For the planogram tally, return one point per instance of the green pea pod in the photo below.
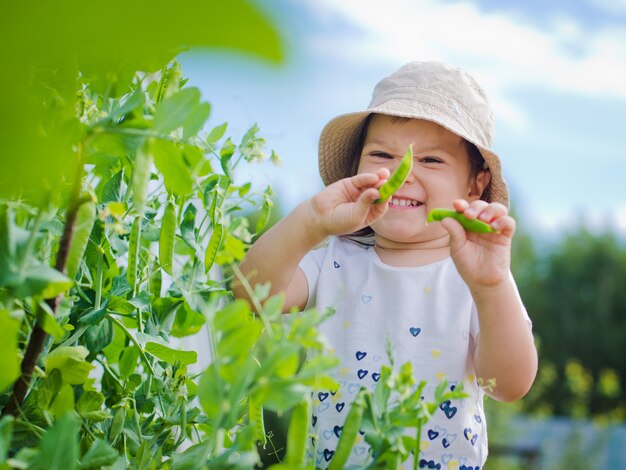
(156, 280)
(166, 239)
(133, 252)
(349, 433)
(397, 178)
(255, 418)
(83, 225)
(213, 247)
(474, 225)
(117, 424)
(141, 177)
(297, 435)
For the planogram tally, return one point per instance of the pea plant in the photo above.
(94, 288)
(140, 250)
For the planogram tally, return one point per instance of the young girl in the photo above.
(443, 297)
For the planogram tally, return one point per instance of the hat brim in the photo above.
(339, 140)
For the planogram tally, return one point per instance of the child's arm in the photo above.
(505, 347)
(342, 207)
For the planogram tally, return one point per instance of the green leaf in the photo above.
(197, 161)
(134, 101)
(42, 281)
(226, 154)
(120, 305)
(187, 322)
(141, 301)
(211, 391)
(217, 133)
(188, 460)
(273, 307)
(48, 322)
(6, 436)
(93, 316)
(196, 119)
(232, 315)
(59, 446)
(128, 360)
(97, 337)
(170, 355)
(63, 402)
(70, 360)
(281, 363)
(89, 401)
(175, 110)
(168, 159)
(99, 454)
(280, 396)
(10, 369)
(112, 188)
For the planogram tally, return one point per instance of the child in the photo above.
(443, 297)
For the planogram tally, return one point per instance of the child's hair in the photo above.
(477, 164)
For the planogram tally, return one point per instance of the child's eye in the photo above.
(430, 160)
(381, 155)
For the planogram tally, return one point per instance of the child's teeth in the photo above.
(404, 202)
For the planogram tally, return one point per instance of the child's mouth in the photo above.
(397, 202)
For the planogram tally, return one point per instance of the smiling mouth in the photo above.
(396, 202)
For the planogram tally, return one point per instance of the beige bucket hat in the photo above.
(432, 91)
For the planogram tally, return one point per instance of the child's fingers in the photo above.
(365, 180)
(493, 212)
(505, 225)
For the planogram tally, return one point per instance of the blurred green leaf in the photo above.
(70, 360)
(89, 401)
(182, 109)
(59, 447)
(10, 369)
(100, 454)
(63, 402)
(52, 43)
(6, 436)
(128, 360)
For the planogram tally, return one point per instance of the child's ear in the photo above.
(479, 184)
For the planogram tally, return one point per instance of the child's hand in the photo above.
(482, 259)
(348, 204)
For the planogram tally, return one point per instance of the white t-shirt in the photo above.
(428, 316)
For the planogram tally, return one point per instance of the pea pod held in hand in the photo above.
(473, 225)
(397, 178)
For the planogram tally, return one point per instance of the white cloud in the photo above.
(611, 6)
(503, 52)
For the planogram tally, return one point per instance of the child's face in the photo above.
(441, 173)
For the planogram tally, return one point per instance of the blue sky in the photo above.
(555, 72)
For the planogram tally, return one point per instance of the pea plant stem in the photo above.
(38, 335)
